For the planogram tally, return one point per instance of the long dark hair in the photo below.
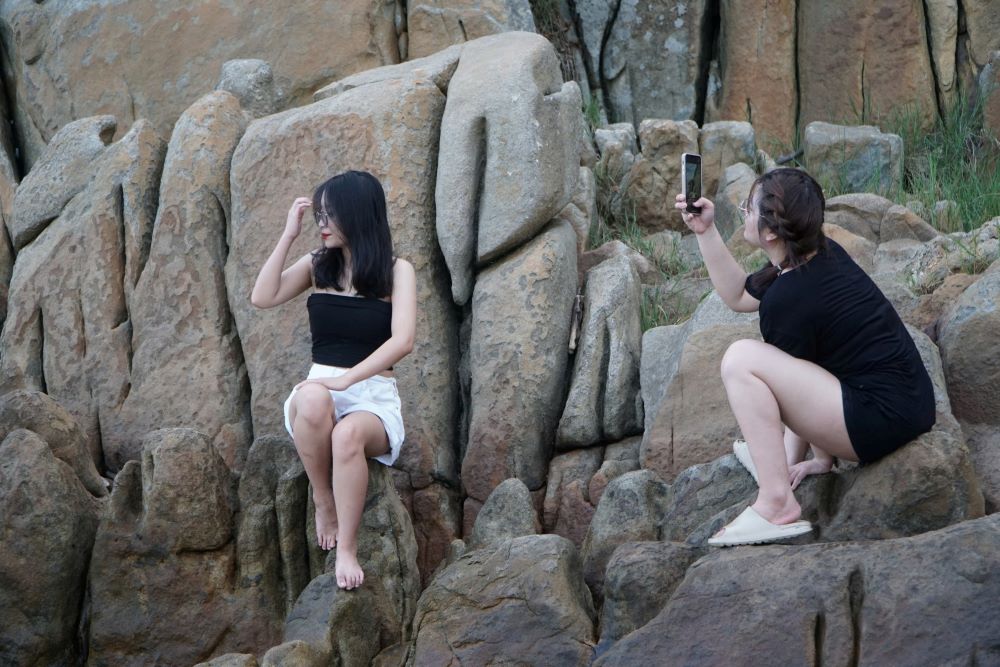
(355, 204)
(791, 206)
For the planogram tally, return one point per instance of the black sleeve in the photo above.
(748, 285)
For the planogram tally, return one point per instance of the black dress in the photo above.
(829, 312)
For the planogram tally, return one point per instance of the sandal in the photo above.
(751, 528)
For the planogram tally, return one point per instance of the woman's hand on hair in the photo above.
(293, 225)
(339, 383)
(696, 222)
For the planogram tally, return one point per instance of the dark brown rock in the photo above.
(522, 601)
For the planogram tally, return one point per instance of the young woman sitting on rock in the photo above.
(837, 370)
(362, 314)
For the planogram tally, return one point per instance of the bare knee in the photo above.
(313, 405)
(739, 359)
(347, 443)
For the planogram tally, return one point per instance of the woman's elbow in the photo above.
(406, 345)
(257, 301)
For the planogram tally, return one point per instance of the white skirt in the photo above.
(377, 395)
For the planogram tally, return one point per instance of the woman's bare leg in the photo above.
(356, 437)
(312, 417)
(768, 387)
(795, 447)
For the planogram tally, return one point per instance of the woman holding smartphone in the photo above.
(362, 316)
(836, 373)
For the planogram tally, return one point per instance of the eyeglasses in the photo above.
(744, 208)
(322, 218)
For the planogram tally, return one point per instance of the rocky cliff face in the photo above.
(563, 467)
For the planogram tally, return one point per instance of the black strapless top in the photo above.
(347, 329)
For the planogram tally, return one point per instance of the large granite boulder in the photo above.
(568, 506)
(48, 521)
(630, 510)
(920, 600)
(853, 158)
(722, 144)
(160, 579)
(509, 158)
(983, 26)
(144, 46)
(390, 128)
(656, 175)
(518, 358)
(506, 514)
(647, 56)
(68, 331)
(847, 74)
(432, 25)
(688, 418)
(352, 627)
(63, 170)
(37, 412)
(521, 601)
(758, 75)
(604, 403)
(187, 364)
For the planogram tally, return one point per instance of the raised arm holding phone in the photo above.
(837, 371)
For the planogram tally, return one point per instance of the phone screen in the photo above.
(692, 181)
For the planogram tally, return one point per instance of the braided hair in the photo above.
(790, 206)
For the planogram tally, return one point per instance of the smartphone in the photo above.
(691, 180)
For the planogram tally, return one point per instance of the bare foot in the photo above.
(349, 572)
(326, 525)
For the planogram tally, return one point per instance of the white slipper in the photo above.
(751, 528)
(742, 451)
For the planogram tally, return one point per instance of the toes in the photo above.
(342, 581)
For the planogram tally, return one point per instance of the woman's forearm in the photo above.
(383, 358)
(265, 289)
(726, 274)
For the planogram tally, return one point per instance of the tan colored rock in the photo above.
(604, 402)
(757, 66)
(984, 448)
(187, 365)
(848, 72)
(630, 510)
(271, 552)
(652, 55)
(37, 412)
(67, 331)
(144, 50)
(853, 158)
(48, 521)
(859, 213)
(656, 176)
(437, 522)
(518, 356)
(438, 68)
(160, 577)
(252, 82)
(917, 600)
(647, 271)
(618, 147)
(734, 189)
(861, 250)
(523, 601)
(508, 160)
(899, 222)
(983, 25)
(581, 211)
(619, 458)
(391, 129)
(432, 25)
(933, 306)
(989, 86)
(296, 653)
(62, 171)
(641, 578)
(567, 508)
(352, 627)
(721, 145)
(942, 21)
(688, 418)
(506, 514)
(968, 343)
